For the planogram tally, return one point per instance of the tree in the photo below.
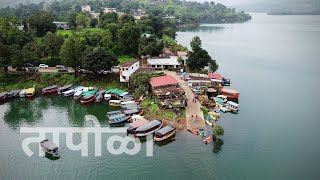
(52, 44)
(99, 59)
(5, 57)
(93, 22)
(107, 18)
(218, 131)
(82, 20)
(150, 46)
(198, 58)
(139, 83)
(126, 18)
(42, 22)
(70, 52)
(128, 39)
(72, 19)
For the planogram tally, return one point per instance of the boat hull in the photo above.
(30, 96)
(84, 102)
(151, 132)
(164, 137)
(49, 92)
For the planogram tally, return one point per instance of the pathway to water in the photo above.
(193, 108)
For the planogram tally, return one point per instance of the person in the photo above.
(196, 116)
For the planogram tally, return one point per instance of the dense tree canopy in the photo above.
(70, 52)
(199, 58)
(42, 22)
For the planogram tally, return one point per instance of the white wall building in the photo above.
(109, 10)
(86, 8)
(63, 25)
(127, 69)
(163, 63)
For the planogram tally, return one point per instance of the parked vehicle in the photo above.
(32, 69)
(20, 69)
(43, 66)
(63, 69)
(59, 66)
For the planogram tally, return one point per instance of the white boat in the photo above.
(22, 93)
(50, 148)
(164, 133)
(107, 97)
(232, 106)
(148, 128)
(69, 92)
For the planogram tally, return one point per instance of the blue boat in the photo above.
(118, 120)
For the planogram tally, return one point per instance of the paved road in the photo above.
(192, 108)
(45, 70)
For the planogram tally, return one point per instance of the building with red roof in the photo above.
(215, 76)
(163, 81)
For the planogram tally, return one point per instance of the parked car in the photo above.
(20, 69)
(43, 66)
(63, 69)
(27, 65)
(59, 66)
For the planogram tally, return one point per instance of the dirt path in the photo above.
(192, 108)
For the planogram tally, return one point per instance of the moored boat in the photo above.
(133, 126)
(193, 131)
(64, 88)
(112, 113)
(77, 95)
(50, 148)
(209, 123)
(99, 98)
(115, 103)
(207, 140)
(11, 94)
(22, 93)
(87, 99)
(107, 97)
(50, 90)
(232, 106)
(117, 119)
(3, 96)
(16, 93)
(148, 128)
(231, 94)
(69, 93)
(164, 133)
(31, 92)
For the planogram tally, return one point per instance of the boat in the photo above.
(31, 92)
(11, 94)
(50, 90)
(69, 93)
(107, 97)
(77, 95)
(193, 131)
(224, 109)
(148, 128)
(221, 99)
(87, 99)
(130, 106)
(115, 103)
(135, 118)
(164, 133)
(232, 94)
(128, 103)
(16, 93)
(111, 113)
(209, 123)
(215, 114)
(133, 126)
(232, 106)
(207, 140)
(50, 148)
(226, 82)
(99, 98)
(64, 88)
(22, 93)
(117, 119)
(3, 96)
(89, 92)
(132, 111)
(101, 92)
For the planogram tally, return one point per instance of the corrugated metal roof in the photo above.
(163, 81)
(215, 76)
(163, 61)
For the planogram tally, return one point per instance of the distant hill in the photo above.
(12, 3)
(292, 6)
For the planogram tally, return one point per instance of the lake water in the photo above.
(272, 61)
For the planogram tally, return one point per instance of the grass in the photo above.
(123, 59)
(80, 32)
(22, 81)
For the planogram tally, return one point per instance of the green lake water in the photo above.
(272, 60)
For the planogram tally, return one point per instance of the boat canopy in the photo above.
(88, 96)
(3, 94)
(92, 92)
(65, 87)
(165, 130)
(50, 87)
(149, 125)
(128, 102)
(78, 93)
(117, 92)
(116, 116)
(50, 146)
(30, 90)
(139, 123)
(233, 103)
(218, 100)
(131, 111)
(115, 101)
(114, 112)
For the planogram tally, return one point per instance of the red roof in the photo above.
(215, 76)
(163, 81)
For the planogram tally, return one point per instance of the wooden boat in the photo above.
(16, 93)
(85, 93)
(87, 99)
(215, 114)
(131, 106)
(69, 93)
(221, 99)
(50, 90)
(31, 92)
(112, 113)
(22, 93)
(101, 92)
(3, 96)
(77, 95)
(50, 148)
(133, 126)
(231, 94)
(193, 131)
(207, 140)
(99, 98)
(64, 88)
(164, 133)
(148, 128)
(115, 103)
(11, 94)
(232, 106)
(131, 112)
(117, 119)
(209, 123)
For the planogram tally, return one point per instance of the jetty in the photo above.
(193, 108)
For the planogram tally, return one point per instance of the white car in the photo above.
(43, 66)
